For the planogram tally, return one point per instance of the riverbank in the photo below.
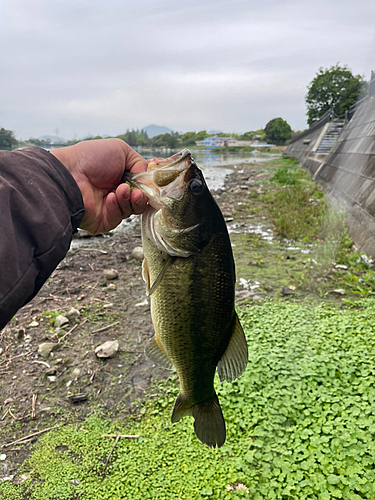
(71, 384)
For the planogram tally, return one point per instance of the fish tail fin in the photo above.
(209, 424)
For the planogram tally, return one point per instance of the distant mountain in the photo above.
(51, 138)
(214, 132)
(153, 130)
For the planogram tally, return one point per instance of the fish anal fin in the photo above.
(234, 360)
(156, 354)
(180, 410)
(209, 424)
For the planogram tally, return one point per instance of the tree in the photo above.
(201, 135)
(333, 88)
(7, 139)
(278, 131)
(188, 139)
(248, 136)
(134, 137)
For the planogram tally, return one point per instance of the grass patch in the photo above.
(297, 206)
(300, 424)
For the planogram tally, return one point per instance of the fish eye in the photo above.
(196, 186)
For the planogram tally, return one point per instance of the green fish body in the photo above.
(190, 276)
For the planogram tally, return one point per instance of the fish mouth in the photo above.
(164, 178)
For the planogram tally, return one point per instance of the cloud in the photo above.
(102, 67)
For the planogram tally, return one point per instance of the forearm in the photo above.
(40, 208)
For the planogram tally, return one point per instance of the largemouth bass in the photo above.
(189, 271)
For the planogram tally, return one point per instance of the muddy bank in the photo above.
(71, 382)
(38, 391)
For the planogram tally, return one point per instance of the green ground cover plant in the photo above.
(300, 424)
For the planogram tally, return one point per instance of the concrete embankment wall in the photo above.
(348, 172)
(305, 147)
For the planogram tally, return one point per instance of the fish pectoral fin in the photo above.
(156, 354)
(159, 277)
(146, 276)
(209, 424)
(234, 360)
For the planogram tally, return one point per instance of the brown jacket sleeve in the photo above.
(40, 208)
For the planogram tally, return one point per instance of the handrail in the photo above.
(330, 114)
(327, 117)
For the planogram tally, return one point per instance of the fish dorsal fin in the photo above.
(159, 277)
(234, 360)
(156, 354)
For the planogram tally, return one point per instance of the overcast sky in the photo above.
(100, 67)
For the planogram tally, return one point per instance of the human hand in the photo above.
(97, 166)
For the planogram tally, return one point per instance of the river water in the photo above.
(215, 166)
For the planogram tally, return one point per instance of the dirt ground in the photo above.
(70, 383)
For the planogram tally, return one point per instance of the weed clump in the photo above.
(296, 205)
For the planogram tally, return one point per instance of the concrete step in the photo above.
(330, 137)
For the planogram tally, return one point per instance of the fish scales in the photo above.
(197, 279)
(190, 276)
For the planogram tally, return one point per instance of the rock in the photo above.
(111, 286)
(107, 349)
(286, 291)
(72, 314)
(52, 378)
(339, 291)
(33, 324)
(137, 253)
(60, 321)
(76, 373)
(46, 348)
(110, 274)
